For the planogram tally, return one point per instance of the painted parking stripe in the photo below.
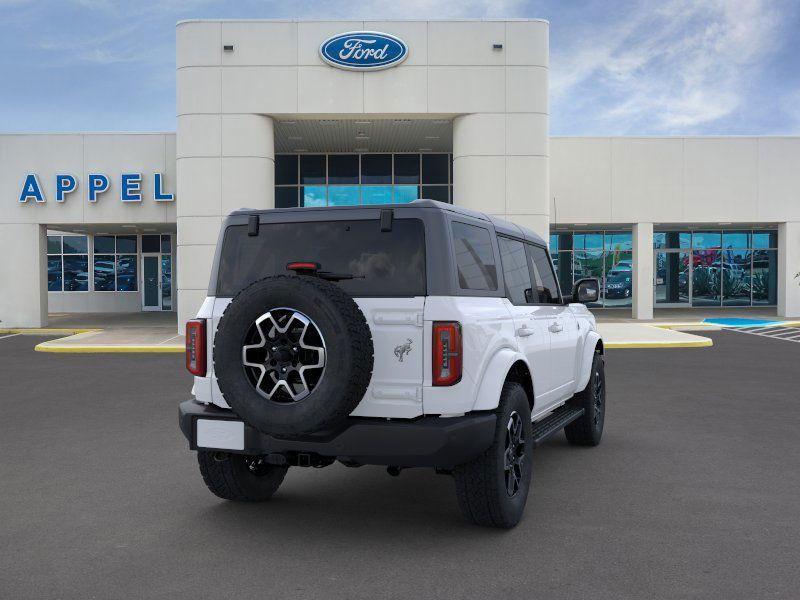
(790, 334)
(2, 337)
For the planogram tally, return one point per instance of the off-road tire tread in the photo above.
(476, 481)
(581, 431)
(221, 477)
(359, 332)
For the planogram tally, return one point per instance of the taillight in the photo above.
(196, 347)
(447, 356)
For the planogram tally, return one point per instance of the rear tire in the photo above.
(493, 488)
(239, 477)
(588, 429)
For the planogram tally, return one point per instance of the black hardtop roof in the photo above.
(500, 225)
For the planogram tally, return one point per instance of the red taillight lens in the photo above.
(447, 355)
(196, 347)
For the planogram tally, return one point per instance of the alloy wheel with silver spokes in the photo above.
(514, 457)
(284, 355)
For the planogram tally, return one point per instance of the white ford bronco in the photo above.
(414, 335)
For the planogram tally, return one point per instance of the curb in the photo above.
(704, 343)
(46, 331)
(44, 347)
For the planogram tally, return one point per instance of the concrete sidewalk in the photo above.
(641, 335)
(157, 333)
(109, 332)
(129, 339)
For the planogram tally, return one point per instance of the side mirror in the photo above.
(586, 290)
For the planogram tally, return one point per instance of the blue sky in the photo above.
(617, 68)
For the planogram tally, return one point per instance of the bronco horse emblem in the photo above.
(403, 349)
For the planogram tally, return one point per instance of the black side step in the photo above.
(555, 422)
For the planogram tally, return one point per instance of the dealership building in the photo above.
(275, 114)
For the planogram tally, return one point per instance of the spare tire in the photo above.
(293, 355)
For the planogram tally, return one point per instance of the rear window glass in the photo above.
(383, 263)
(474, 257)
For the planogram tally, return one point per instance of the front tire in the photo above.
(239, 477)
(588, 429)
(492, 489)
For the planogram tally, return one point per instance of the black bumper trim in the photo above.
(423, 442)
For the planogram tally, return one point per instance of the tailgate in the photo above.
(397, 334)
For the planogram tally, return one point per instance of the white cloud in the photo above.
(670, 68)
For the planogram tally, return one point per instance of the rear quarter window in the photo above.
(474, 257)
(382, 263)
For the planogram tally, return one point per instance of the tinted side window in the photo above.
(546, 285)
(515, 271)
(474, 257)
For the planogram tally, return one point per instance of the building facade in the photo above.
(287, 113)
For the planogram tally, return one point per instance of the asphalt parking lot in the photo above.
(694, 493)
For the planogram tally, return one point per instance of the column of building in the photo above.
(23, 271)
(225, 162)
(789, 269)
(642, 275)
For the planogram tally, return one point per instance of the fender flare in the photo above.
(495, 373)
(589, 345)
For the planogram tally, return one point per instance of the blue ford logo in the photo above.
(363, 50)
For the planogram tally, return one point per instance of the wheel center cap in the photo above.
(283, 354)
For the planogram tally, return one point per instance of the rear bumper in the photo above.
(424, 442)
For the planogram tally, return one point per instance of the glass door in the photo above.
(151, 282)
(672, 271)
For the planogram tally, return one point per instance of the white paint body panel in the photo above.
(559, 361)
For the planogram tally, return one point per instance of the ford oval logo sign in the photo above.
(363, 50)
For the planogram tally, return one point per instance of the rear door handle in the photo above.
(555, 327)
(524, 331)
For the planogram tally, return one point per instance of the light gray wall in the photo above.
(23, 277)
(675, 180)
(227, 102)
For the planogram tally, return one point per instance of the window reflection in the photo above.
(765, 277)
(343, 195)
(76, 273)
(672, 278)
(741, 273)
(376, 194)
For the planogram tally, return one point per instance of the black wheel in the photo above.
(240, 477)
(588, 429)
(493, 488)
(293, 355)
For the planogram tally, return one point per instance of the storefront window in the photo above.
(67, 263)
(672, 278)
(343, 169)
(718, 268)
(376, 194)
(343, 195)
(361, 179)
(765, 277)
(312, 168)
(606, 255)
(116, 271)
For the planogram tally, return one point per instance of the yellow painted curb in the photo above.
(45, 347)
(704, 343)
